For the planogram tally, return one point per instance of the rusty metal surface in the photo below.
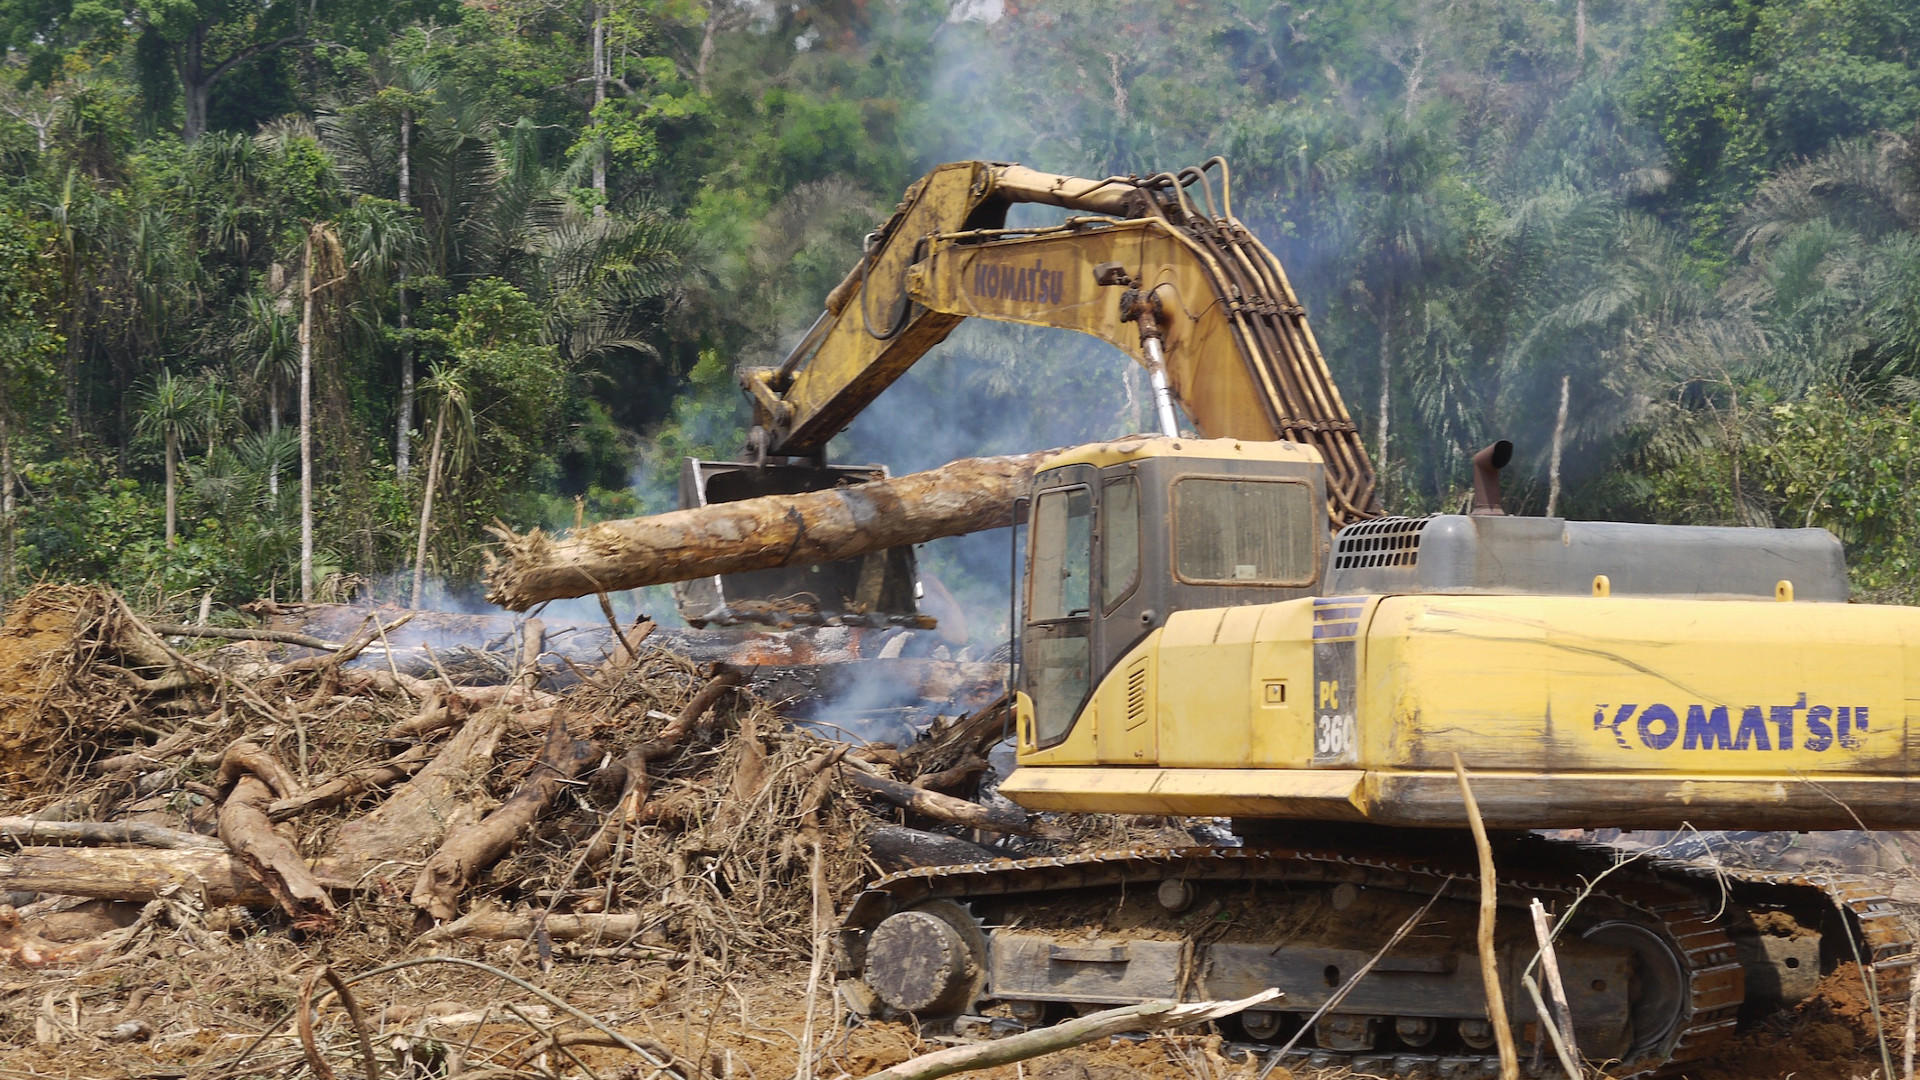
(1685, 901)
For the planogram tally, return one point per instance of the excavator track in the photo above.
(1713, 922)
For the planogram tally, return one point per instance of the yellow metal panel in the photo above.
(1282, 722)
(853, 364)
(1121, 451)
(1206, 669)
(1047, 280)
(1590, 684)
(1323, 794)
(1126, 733)
(1103, 733)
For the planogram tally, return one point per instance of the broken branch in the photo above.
(1148, 1016)
(951, 810)
(246, 633)
(27, 831)
(469, 851)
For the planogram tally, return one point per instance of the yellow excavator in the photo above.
(1227, 626)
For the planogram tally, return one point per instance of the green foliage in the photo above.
(1703, 216)
(1737, 88)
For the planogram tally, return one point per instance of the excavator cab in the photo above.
(1121, 534)
(878, 589)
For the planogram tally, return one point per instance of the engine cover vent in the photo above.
(1389, 541)
(1458, 553)
(1137, 693)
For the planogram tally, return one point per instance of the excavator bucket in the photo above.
(878, 589)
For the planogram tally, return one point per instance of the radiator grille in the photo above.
(1137, 693)
(1389, 541)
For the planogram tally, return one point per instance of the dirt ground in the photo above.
(222, 1012)
(728, 849)
(209, 1013)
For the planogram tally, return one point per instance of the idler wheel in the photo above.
(918, 962)
(1659, 995)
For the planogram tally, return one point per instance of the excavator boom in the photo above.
(1212, 312)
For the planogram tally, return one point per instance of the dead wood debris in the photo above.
(167, 794)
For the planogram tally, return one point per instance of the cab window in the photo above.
(1056, 656)
(1062, 546)
(1244, 532)
(1119, 540)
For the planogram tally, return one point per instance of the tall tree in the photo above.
(447, 385)
(173, 410)
(322, 269)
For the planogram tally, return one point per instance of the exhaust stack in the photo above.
(1486, 479)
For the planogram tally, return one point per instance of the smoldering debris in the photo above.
(364, 781)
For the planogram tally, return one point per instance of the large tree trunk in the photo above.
(599, 98)
(969, 495)
(173, 463)
(403, 441)
(426, 506)
(1386, 380)
(1559, 438)
(6, 497)
(306, 423)
(194, 83)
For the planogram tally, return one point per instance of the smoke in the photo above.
(994, 388)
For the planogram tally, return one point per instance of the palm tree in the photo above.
(271, 337)
(321, 259)
(449, 385)
(173, 409)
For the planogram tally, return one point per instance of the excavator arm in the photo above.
(1182, 287)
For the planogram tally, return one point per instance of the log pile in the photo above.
(637, 803)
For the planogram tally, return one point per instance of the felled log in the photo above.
(247, 633)
(138, 874)
(634, 764)
(488, 925)
(1147, 1016)
(896, 848)
(468, 851)
(21, 947)
(27, 831)
(951, 810)
(965, 496)
(248, 833)
(411, 822)
(947, 781)
(351, 784)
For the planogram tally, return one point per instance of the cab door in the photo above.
(1056, 661)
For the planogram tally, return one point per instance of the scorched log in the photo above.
(966, 496)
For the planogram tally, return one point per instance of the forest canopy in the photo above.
(500, 258)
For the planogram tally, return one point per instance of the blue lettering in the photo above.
(1819, 734)
(1625, 714)
(1844, 722)
(1753, 730)
(1783, 719)
(1707, 730)
(1668, 727)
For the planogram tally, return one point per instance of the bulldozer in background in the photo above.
(1228, 626)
